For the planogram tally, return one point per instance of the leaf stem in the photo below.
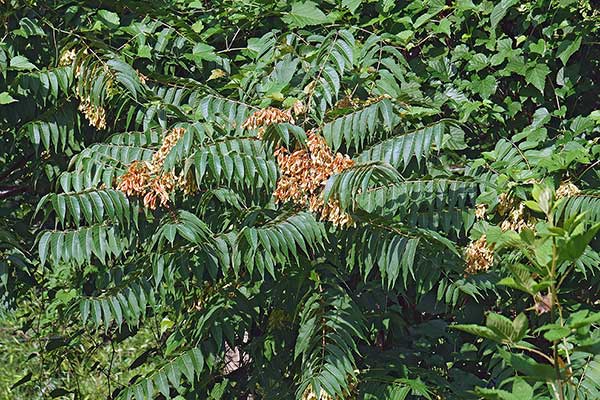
(555, 302)
(535, 351)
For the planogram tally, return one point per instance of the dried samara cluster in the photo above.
(515, 214)
(95, 114)
(309, 394)
(567, 189)
(304, 172)
(67, 58)
(479, 256)
(261, 119)
(148, 180)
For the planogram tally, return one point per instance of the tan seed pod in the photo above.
(135, 180)
(299, 108)
(304, 173)
(505, 203)
(95, 115)
(263, 118)
(567, 189)
(149, 181)
(479, 256)
(67, 58)
(480, 211)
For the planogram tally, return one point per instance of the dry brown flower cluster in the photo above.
(347, 102)
(480, 211)
(169, 141)
(505, 203)
(148, 180)
(567, 189)
(299, 108)
(135, 180)
(331, 212)
(138, 181)
(479, 256)
(96, 115)
(78, 66)
(517, 220)
(372, 100)
(517, 217)
(159, 190)
(304, 173)
(262, 118)
(67, 58)
(143, 78)
(309, 394)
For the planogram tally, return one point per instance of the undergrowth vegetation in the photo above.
(314, 200)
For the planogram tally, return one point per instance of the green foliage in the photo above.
(472, 194)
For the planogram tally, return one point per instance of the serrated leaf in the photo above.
(351, 5)
(305, 14)
(499, 12)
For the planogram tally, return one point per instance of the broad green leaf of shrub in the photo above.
(305, 14)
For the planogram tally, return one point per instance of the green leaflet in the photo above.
(398, 151)
(188, 365)
(359, 127)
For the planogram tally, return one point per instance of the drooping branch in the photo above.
(10, 191)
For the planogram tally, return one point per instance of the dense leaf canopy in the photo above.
(260, 199)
